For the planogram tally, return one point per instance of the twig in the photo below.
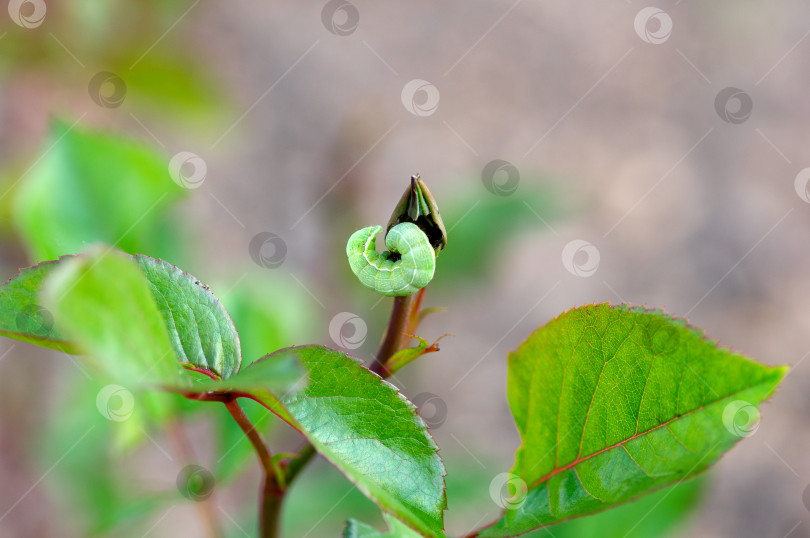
(273, 481)
(397, 325)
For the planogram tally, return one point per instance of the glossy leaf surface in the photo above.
(103, 303)
(201, 331)
(362, 425)
(615, 402)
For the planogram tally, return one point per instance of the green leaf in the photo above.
(396, 529)
(21, 315)
(277, 373)
(403, 357)
(615, 402)
(103, 303)
(362, 425)
(657, 515)
(93, 187)
(322, 489)
(201, 331)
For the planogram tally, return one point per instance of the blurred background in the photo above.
(579, 153)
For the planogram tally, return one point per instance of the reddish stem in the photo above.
(392, 342)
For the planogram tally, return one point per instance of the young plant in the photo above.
(611, 402)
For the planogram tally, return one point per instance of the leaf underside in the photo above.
(363, 426)
(615, 402)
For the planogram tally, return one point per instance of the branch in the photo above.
(397, 325)
(273, 483)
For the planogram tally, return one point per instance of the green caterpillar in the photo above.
(404, 269)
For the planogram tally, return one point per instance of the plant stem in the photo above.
(273, 483)
(277, 479)
(400, 315)
(404, 316)
(244, 422)
(413, 317)
(270, 508)
(297, 464)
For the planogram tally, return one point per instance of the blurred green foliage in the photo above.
(104, 303)
(89, 187)
(90, 483)
(94, 186)
(479, 228)
(164, 75)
